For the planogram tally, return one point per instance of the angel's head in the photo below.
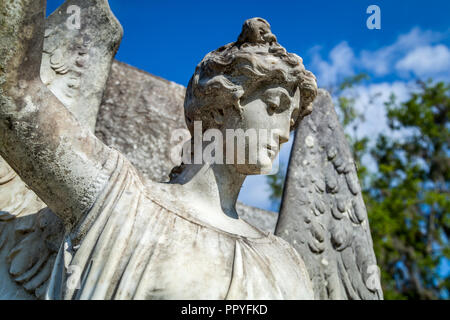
(252, 83)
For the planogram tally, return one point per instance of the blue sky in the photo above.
(169, 38)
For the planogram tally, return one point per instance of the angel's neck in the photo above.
(217, 185)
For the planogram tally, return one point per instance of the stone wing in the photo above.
(75, 66)
(77, 55)
(323, 213)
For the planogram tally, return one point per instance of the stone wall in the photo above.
(137, 115)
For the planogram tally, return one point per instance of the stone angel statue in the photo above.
(126, 237)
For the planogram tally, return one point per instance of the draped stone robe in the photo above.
(137, 243)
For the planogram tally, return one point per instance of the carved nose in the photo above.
(285, 132)
(281, 136)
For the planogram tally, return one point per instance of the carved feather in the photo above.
(334, 240)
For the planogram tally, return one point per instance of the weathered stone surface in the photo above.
(262, 219)
(118, 224)
(75, 65)
(132, 239)
(76, 62)
(137, 115)
(323, 214)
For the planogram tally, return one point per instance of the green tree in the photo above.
(408, 197)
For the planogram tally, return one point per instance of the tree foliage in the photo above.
(408, 197)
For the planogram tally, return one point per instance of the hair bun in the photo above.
(256, 30)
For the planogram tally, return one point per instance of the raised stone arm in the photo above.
(56, 156)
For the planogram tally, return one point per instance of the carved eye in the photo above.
(276, 100)
(273, 103)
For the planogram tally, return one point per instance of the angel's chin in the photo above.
(260, 168)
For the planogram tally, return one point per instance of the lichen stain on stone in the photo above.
(309, 141)
(28, 32)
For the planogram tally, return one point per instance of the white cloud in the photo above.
(380, 61)
(370, 99)
(426, 61)
(416, 53)
(340, 64)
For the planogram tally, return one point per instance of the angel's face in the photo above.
(269, 112)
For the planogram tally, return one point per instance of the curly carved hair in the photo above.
(235, 69)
